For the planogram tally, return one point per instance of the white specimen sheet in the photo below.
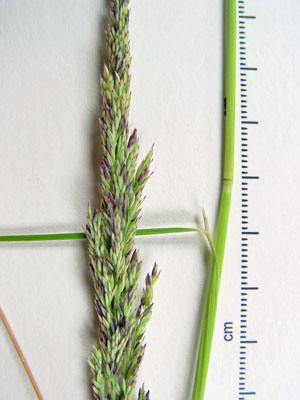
(52, 53)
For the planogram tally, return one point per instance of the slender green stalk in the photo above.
(82, 235)
(42, 237)
(224, 204)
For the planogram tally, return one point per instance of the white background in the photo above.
(51, 57)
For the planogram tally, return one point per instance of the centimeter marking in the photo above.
(246, 180)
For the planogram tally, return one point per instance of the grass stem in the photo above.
(224, 203)
(82, 235)
(20, 355)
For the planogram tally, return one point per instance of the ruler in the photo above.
(248, 179)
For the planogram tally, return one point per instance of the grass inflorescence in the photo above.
(110, 230)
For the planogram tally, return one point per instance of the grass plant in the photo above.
(110, 230)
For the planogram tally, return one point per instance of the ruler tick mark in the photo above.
(247, 16)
